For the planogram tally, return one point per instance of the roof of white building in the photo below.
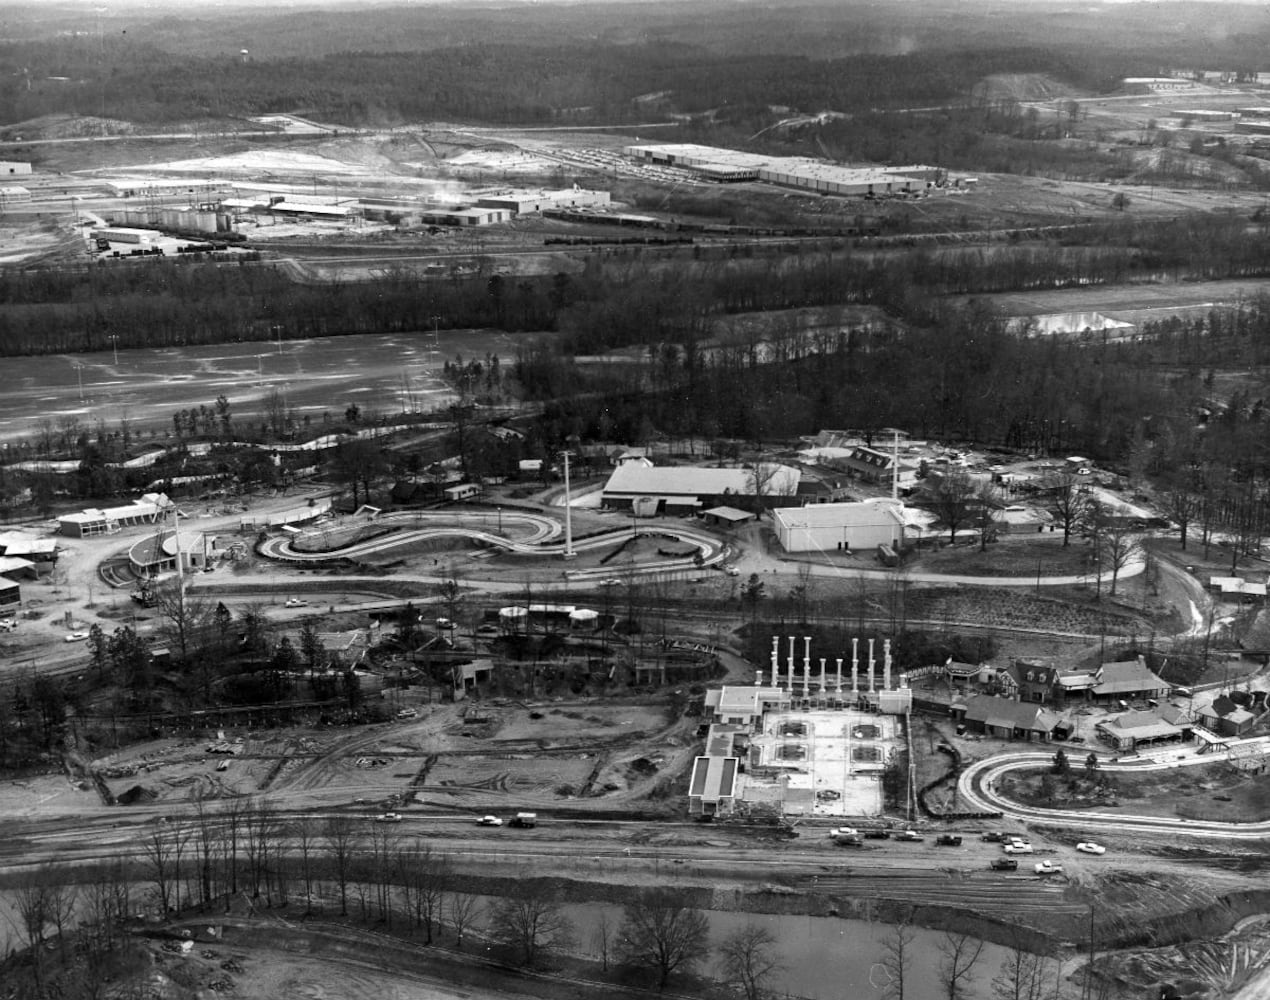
(632, 478)
(838, 515)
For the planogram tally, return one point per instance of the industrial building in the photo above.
(123, 234)
(732, 166)
(14, 168)
(652, 490)
(520, 202)
(478, 216)
(841, 527)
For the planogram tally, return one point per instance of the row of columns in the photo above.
(824, 681)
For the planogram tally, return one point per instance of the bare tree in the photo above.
(959, 955)
(383, 852)
(341, 839)
(304, 834)
(748, 958)
(897, 955)
(602, 938)
(31, 904)
(156, 850)
(659, 933)
(1182, 506)
(1069, 505)
(533, 923)
(184, 617)
(1115, 544)
(987, 512)
(951, 498)
(465, 910)
(1023, 975)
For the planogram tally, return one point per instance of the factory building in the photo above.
(182, 219)
(122, 234)
(731, 166)
(649, 491)
(478, 216)
(14, 168)
(527, 202)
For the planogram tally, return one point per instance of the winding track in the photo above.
(543, 539)
(976, 788)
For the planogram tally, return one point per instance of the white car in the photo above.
(76, 637)
(1089, 847)
(445, 623)
(489, 821)
(1047, 868)
(295, 602)
(1018, 848)
(388, 818)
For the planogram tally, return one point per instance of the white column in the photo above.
(886, 664)
(838, 686)
(776, 661)
(871, 662)
(855, 667)
(822, 677)
(758, 677)
(806, 666)
(791, 664)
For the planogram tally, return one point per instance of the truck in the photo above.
(948, 840)
(524, 821)
(1004, 865)
(846, 835)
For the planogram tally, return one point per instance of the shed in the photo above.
(726, 517)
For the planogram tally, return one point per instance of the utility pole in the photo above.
(568, 510)
(114, 343)
(79, 372)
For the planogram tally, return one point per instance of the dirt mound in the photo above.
(66, 127)
(135, 794)
(1176, 163)
(1025, 87)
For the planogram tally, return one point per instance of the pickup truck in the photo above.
(524, 821)
(1004, 865)
(948, 840)
(909, 835)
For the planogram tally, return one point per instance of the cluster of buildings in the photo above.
(729, 166)
(813, 740)
(22, 556)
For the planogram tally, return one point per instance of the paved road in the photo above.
(976, 786)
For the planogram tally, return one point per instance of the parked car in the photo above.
(994, 837)
(1017, 848)
(1047, 867)
(877, 834)
(524, 820)
(388, 818)
(446, 624)
(611, 582)
(909, 835)
(948, 840)
(731, 571)
(489, 821)
(1004, 865)
(295, 602)
(1089, 847)
(77, 637)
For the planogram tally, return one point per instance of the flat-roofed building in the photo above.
(713, 789)
(478, 216)
(744, 705)
(97, 521)
(14, 168)
(840, 527)
(520, 202)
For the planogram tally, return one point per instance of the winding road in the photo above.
(977, 788)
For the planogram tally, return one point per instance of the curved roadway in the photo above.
(976, 786)
(543, 539)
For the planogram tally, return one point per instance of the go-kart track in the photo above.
(538, 535)
(976, 787)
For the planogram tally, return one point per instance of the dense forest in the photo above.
(589, 63)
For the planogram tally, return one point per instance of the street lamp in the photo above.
(114, 343)
(79, 372)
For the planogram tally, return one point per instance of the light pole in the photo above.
(79, 372)
(436, 335)
(568, 510)
(114, 343)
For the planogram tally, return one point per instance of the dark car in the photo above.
(1004, 865)
(910, 835)
(878, 834)
(948, 840)
(993, 837)
(851, 840)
